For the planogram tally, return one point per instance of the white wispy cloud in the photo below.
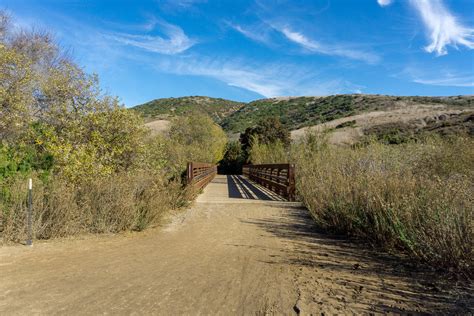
(440, 77)
(255, 33)
(187, 3)
(327, 49)
(384, 3)
(268, 80)
(442, 27)
(463, 81)
(176, 40)
(261, 80)
(178, 6)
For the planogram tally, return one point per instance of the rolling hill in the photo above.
(298, 112)
(348, 116)
(216, 108)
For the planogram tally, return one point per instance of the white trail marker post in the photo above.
(29, 215)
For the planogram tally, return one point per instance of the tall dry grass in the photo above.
(268, 153)
(417, 198)
(117, 203)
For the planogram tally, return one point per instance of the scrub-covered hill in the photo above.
(216, 108)
(347, 116)
(298, 112)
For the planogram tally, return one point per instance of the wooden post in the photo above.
(189, 173)
(278, 179)
(291, 183)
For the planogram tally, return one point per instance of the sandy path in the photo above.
(220, 257)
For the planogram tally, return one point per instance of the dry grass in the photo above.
(119, 203)
(415, 198)
(418, 198)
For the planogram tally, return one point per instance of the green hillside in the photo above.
(163, 108)
(294, 112)
(307, 111)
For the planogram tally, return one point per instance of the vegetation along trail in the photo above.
(236, 250)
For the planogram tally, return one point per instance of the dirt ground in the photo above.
(225, 255)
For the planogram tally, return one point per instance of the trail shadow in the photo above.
(241, 188)
(355, 265)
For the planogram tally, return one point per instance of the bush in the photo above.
(275, 152)
(103, 205)
(94, 144)
(416, 197)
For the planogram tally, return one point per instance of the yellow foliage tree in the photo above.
(48, 102)
(193, 138)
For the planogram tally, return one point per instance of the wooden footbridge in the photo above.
(264, 182)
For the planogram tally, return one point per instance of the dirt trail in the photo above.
(225, 255)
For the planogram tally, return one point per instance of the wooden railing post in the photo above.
(291, 183)
(189, 173)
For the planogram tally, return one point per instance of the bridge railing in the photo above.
(199, 174)
(279, 178)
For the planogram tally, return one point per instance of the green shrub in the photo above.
(22, 159)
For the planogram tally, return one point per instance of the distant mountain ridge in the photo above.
(298, 113)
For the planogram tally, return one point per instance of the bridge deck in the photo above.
(237, 189)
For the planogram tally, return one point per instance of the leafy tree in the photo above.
(50, 105)
(193, 138)
(233, 159)
(94, 144)
(16, 93)
(267, 131)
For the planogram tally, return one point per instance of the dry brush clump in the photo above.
(104, 205)
(417, 198)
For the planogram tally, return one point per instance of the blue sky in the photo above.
(246, 50)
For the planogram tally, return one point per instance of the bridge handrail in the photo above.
(279, 178)
(199, 174)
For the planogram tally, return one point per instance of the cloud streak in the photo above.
(464, 81)
(442, 27)
(384, 3)
(326, 49)
(257, 34)
(176, 40)
(440, 77)
(269, 80)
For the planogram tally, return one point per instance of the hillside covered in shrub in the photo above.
(216, 108)
(295, 112)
